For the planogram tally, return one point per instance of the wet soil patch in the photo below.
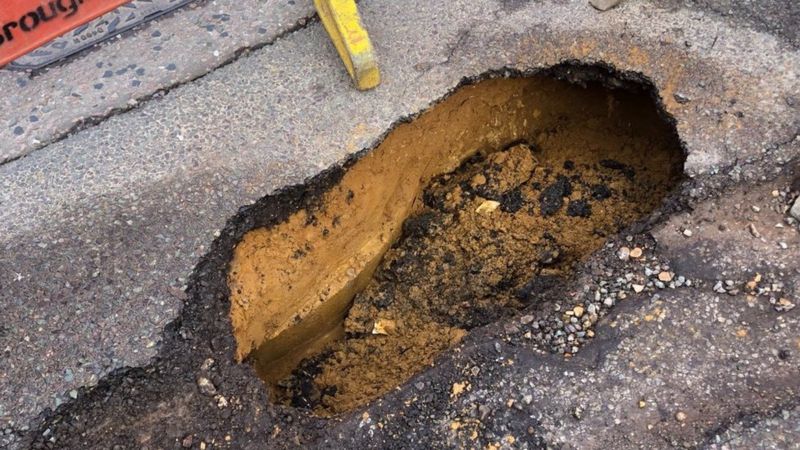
(458, 219)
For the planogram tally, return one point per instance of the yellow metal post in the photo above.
(341, 20)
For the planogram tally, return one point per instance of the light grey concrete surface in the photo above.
(101, 229)
(37, 108)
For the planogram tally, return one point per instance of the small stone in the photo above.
(783, 305)
(384, 327)
(795, 211)
(578, 311)
(753, 231)
(681, 98)
(636, 252)
(741, 333)
(755, 208)
(687, 232)
(187, 441)
(680, 416)
(637, 288)
(458, 388)
(207, 364)
(624, 253)
(642, 403)
(665, 276)
(478, 180)
(608, 301)
(526, 319)
(487, 207)
(206, 386)
(604, 5)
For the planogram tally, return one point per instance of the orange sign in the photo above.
(27, 24)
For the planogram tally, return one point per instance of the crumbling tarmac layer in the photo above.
(103, 229)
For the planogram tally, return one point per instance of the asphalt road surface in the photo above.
(120, 168)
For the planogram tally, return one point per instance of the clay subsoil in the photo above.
(488, 239)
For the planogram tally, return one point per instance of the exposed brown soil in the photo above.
(537, 173)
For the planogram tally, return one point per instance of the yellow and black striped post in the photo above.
(343, 23)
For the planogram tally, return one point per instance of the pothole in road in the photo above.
(458, 218)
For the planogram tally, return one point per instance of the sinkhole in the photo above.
(449, 224)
